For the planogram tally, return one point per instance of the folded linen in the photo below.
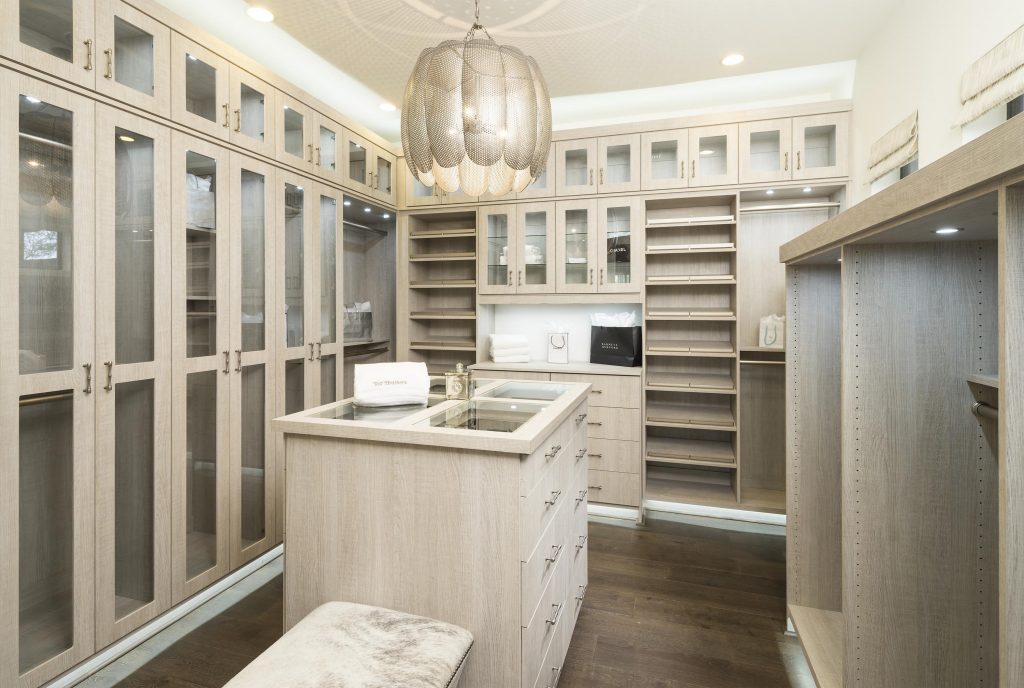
(505, 341)
(517, 351)
(390, 384)
(524, 358)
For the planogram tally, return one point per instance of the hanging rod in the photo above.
(743, 362)
(983, 410)
(365, 228)
(44, 398)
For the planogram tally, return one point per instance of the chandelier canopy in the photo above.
(476, 115)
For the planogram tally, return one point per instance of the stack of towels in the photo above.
(391, 384)
(510, 348)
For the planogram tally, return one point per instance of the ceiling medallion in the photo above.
(476, 115)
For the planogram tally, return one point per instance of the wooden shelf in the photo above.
(985, 380)
(663, 489)
(691, 314)
(691, 452)
(691, 382)
(572, 368)
(822, 635)
(694, 416)
(758, 499)
(443, 257)
(443, 234)
(687, 249)
(690, 347)
(443, 315)
(366, 343)
(690, 280)
(694, 222)
(443, 284)
(444, 345)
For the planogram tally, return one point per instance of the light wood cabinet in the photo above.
(544, 185)
(48, 380)
(328, 146)
(618, 163)
(133, 57)
(664, 159)
(576, 248)
(295, 132)
(620, 257)
(55, 37)
(713, 158)
(575, 167)
(252, 113)
(370, 168)
(327, 279)
(497, 250)
(535, 247)
(199, 88)
(766, 151)
(821, 145)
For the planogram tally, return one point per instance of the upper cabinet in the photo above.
(251, 104)
(713, 159)
(576, 164)
(295, 132)
(199, 88)
(766, 151)
(55, 36)
(327, 148)
(133, 54)
(619, 224)
(369, 168)
(576, 246)
(821, 145)
(663, 158)
(618, 163)
(544, 185)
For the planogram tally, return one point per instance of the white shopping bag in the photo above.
(772, 332)
(558, 347)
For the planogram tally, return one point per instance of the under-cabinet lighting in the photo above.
(32, 99)
(808, 189)
(769, 192)
(732, 59)
(126, 138)
(260, 14)
(347, 203)
(948, 230)
(387, 107)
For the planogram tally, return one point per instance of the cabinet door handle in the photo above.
(596, 456)
(238, 360)
(238, 119)
(583, 593)
(595, 487)
(581, 498)
(556, 550)
(318, 158)
(595, 422)
(319, 357)
(555, 494)
(581, 541)
(109, 73)
(227, 362)
(555, 448)
(580, 454)
(556, 613)
(597, 391)
(693, 169)
(520, 278)
(591, 176)
(556, 674)
(110, 375)
(682, 169)
(591, 275)
(311, 351)
(310, 147)
(88, 378)
(785, 156)
(798, 160)
(88, 54)
(600, 175)
(600, 276)
(227, 115)
(580, 418)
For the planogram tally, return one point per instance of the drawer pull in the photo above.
(556, 550)
(597, 391)
(595, 487)
(582, 497)
(554, 498)
(580, 418)
(554, 450)
(556, 674)
(596, 456)
(581, 542)
(580, 454)
(595, 422)
(583, 593)
(556, 614)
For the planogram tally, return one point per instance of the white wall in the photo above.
(915, 61)
(535, 322)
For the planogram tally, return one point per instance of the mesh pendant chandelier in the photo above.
(476, 115)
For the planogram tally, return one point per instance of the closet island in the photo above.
(470, 511)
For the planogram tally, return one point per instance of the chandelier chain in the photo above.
(476, 24)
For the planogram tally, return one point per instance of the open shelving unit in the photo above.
(440, 306)
(691, 378)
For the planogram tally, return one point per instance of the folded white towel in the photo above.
(503, 341)
(511, 359)
(515, 351)
(390, 384)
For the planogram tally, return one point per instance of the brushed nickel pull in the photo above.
(88, 378)
(520, 278)
(319, 345)
(785, 157)
(555, 494)
(600, 276)
(509, 273)
(580, 454)
(581, 498)
(238, 360)
(311, 351)
(596, 456)
(557, 613)
(693, 168)
(600, 179)
(580, 418)
(227, 362)
(88, 54)
(227, 115)
(238, 119)
(798, 160)
(310, 147)
(682, 169)
(595, 487)
(557, 674)
(554, 450)
(595, 422)
(583, 593)
(319, 159)
(556, 550)
(591, 176)
(597, 391)
(110, 375)
(591, 275)
(581, 541)
(109, 73)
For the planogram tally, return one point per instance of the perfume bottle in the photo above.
(458, 383)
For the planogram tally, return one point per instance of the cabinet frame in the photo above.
(682, 139)
(637, 212)
(562, 187)
(561, 207)
(786, 158)
(606, 142)
(551, 249)
(106, 74)
(181, 47)
(731, 175)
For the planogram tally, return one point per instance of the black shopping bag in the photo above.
(618, 346)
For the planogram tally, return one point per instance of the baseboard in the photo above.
(716, 512)
(623, 512)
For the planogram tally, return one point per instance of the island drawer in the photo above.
(610, 391)
(621, 456)
(554, 660)
(554, 611)
(609, 487)
(547, 496)
(555, 544)
(535, 465)
(578, 581)
(613, 423)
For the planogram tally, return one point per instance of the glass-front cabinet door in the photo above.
(357, 161)
(295, 142)
(328, 223)
(713, 155)
(620, 254)
(48, 380)
(416, 193)
(55, 36)
(821, 145)
(383, 175)
(201, 350)
(544, 185)
(664, 159)
(575, 164)
(133, 382)
(576, 247)
(199, 88)
(327, 148)
(496, 249)
(766, 151)
(252, 112)
(133, 57)
(252, 381)
(535, 248)
(618, 163)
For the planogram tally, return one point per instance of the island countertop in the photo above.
(526, 412)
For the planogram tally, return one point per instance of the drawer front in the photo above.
(536, 465)
(580, 495)
(578, 580)
(546, 625)
(613, 424)
(621, 456)
(610, 391)
(554, 659)
(547, 496)
(554, 546)
(510, 375)
(608, 487)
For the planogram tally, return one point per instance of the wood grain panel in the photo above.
(813, 465)
(762, 421)
(919, 478)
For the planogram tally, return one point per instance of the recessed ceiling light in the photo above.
(707, 151)
(732, 59)
(948, 230)
(387, 107)
(368, 209)
(260, 14)
(808, 189)
(769, 192)
(126, 138)
(347, 202)
(32, 99)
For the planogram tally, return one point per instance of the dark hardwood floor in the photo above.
(669, 605)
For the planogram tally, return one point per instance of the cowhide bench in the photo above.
(345, 645)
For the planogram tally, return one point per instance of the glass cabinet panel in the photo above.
(46, 228)
(328, 379)
(201, 254)
(358, 161)
(294, 385)
(618, 170)
(48, 25)
(820, 146)
(201, 472)
(535, 239)
(618, 249)
(766, 151)
(253, 254)
(133, 57)
(254, 455)
(294, 132)
(251, 113)
(576, 248)
(618, 163)
(382, 179)
(712, 157)
(497, 233)
(328, 270)
(327, 151)
(294, 280)
(46, 533)
(576, 163)
(665, 159)
(133, 247)
(134, 506)
(200, 88)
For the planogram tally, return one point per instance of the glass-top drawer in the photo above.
(534, 391)
(373, 414)
(490, 416)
